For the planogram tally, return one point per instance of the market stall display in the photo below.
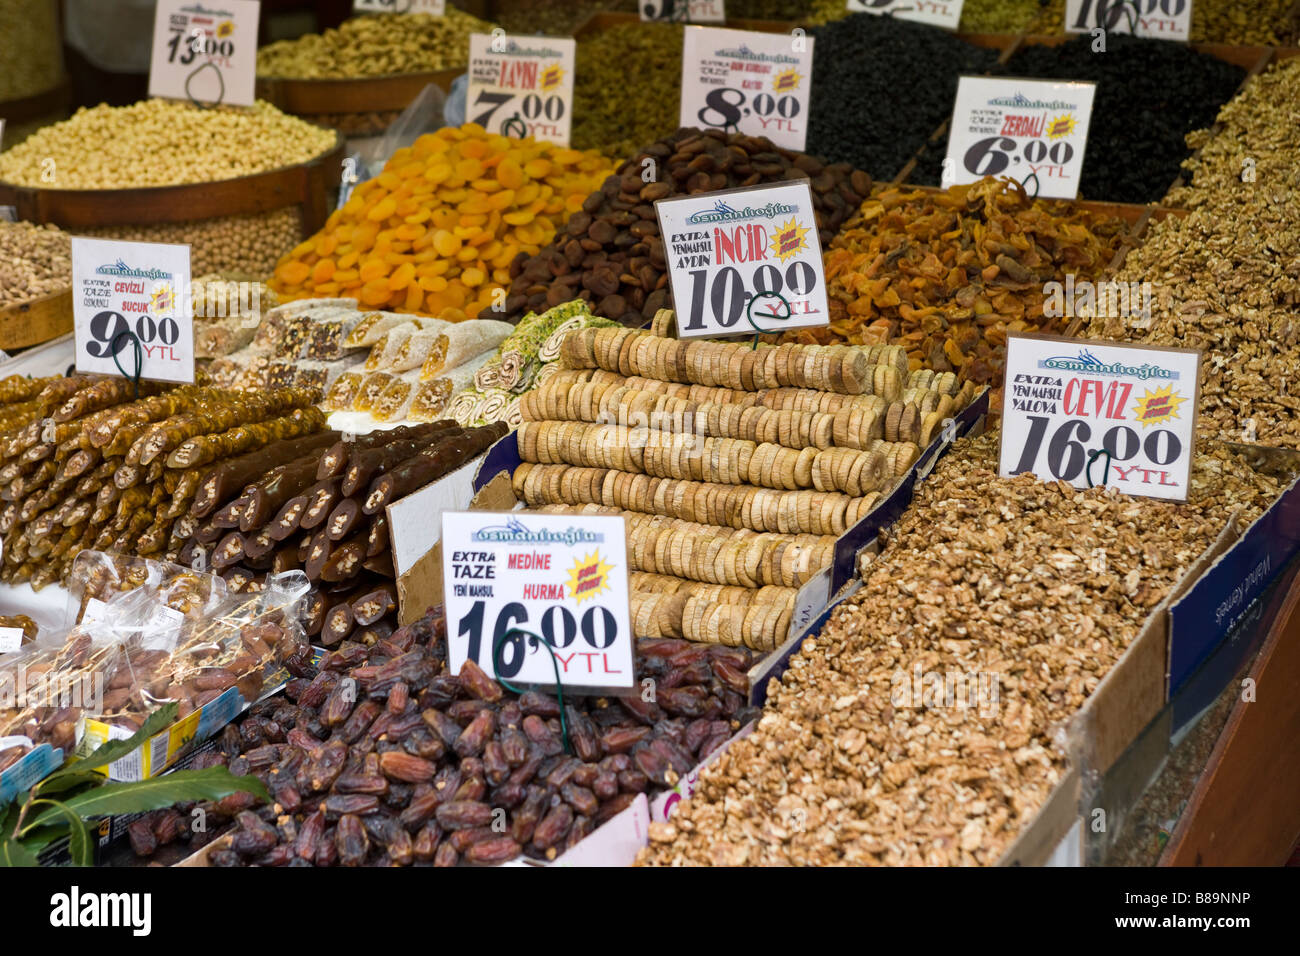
(436, 232)
(359, 77)
(239, 185)
(1245, 22)
(946, 275)
(859, 59)
(97, 467)
(35, 284)
(1227, 290)
(613, 115)
(610, 253)
(410, 768)
(848, 764)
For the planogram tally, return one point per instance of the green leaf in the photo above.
(112, 750)
(13, 853)
(67, 781)
(182, 786)
(38, 840)
(78, 838)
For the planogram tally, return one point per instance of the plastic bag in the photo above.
(423, 115)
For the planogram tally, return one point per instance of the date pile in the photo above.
(947, 275)
(921, 725)
(319, 505)
(610, 254)
(383, 758)
(86, 464)
(736, 468)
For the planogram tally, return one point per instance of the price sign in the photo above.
(683, 11)
(521, 86)
(132, 299)
(752, 83)
(1031, 130)
(940, 13)
(741, 261)
(1093, 413)
(1157, 19)
(435, 7)
(205, 51)
(513, 581)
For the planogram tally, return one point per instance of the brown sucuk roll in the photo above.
(223, 481)
(238, 578)
(259, 544)
(313, 612)
(321, 498)
(229, 552)
(381, 564)
(338, 619)
(228, 517)
(289, 518)
(336, 458)
(343, 519)
(430, 465)
(372, 604)
(366, 465)
(268, 495)
(318, 553)
(377, 535)
(344, 562)
(285, 559)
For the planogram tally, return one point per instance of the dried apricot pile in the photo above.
(436, 231)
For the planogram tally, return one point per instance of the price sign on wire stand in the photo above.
(205, 51)
(683, 11)
(1031, 130)
(746, 82)
(522, 86)
(514, 582)
(939, 13)
(744, 261)
(1098, 413)
(132, 310)
(1156, 19)
(435, 7)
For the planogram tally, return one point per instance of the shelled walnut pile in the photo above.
(735, 467)
(85, 463)
(1029, 591)
(1227, 277)
(947, 275)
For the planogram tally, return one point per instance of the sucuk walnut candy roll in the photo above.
(229, 478)
(266, 497)
(369, 463)
(289, 518)
(321, 499)
(430, 465)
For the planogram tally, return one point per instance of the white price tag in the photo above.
(1157, 19)
(435, 7)
(205, 50)
(521, 86)
(1031, 130)
(1093, 413)
(11, 638)
(683, 11)
(512, 581)
(132, 299)
(741, 261)
(752, 83)
(940, 13)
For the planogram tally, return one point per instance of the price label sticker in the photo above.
(752, 83)
(1094, 412)
(940, 13)
(132, 308)
(1031, 130)
(1156, 19)
(515, 581)
(683, 11)
(522, 86)
(743, 261)
(11, 638)
(435, 7)
(205, 51)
